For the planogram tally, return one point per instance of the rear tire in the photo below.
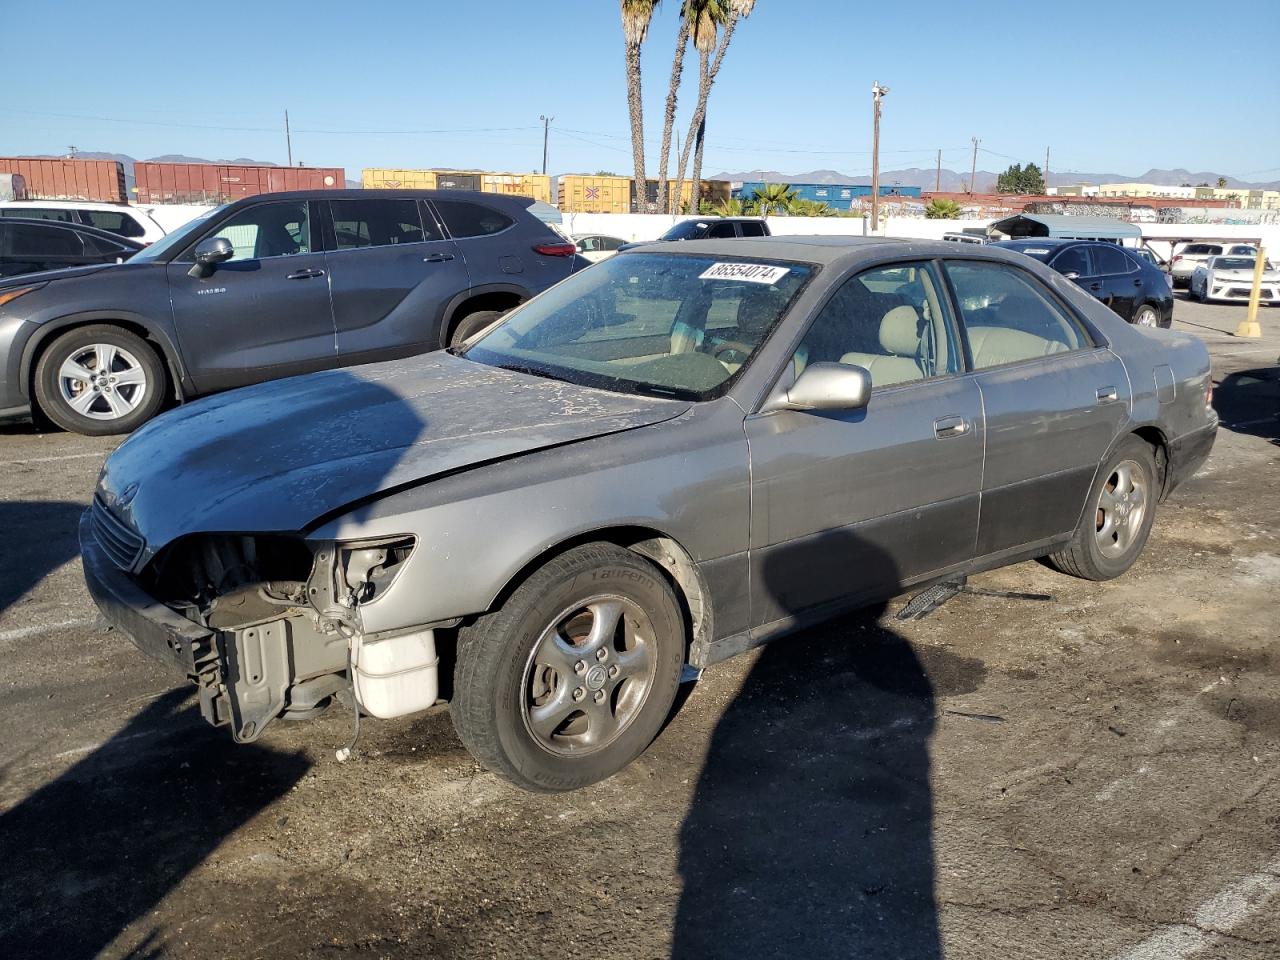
(99, 380)
(1146, 316)
(472, 324)
(572, 678)
(1117, 517)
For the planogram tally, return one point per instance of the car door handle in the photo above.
(437, 258)
(304, 274)
(1137, 282)
(945, 427)
(1107, 394)
(1095, 286)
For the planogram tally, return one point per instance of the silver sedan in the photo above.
(665, 460)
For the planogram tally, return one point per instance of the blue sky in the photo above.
(1111, 87)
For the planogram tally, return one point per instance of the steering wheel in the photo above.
(731, 353)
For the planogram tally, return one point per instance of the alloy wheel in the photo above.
(589, 675)
(102, 381)
(1122, 505)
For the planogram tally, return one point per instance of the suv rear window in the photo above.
(376, 223)
(120, 224)
(40, 213)
(1204, 249)
(465, 219)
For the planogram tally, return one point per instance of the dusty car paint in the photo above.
(722, 496)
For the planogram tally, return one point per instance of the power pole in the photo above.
(937, 181)
(973, 169)
(877, 94)
(546, 130)
(288, 138)
(673, 206)
(1046, 169)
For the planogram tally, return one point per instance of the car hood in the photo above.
(281, 455)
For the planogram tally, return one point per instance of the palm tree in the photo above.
(669, 117)
(771, 196)
(809, 208)
(636, 15)
(708, 16)
(942, 209)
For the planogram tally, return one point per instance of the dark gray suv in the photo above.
(268, 287)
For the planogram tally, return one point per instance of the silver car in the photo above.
(667, 459)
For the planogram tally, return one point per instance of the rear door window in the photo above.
(466, 219)
(378, 223)
(1009, 316)
(32, 241)
(1111, 260)
(115, 222)
(752, 229)
(1073, 260)
(41, 213)
(721, 230)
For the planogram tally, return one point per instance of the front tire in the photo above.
(1117, 517)
(573, 677)
(99, 380)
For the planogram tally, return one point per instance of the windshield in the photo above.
(173, 242)
(685, 230)
(660, 324)
(1232, 263)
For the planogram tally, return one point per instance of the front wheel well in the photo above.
(137, 329)
(662, 551)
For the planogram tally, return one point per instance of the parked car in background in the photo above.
(265, 287)
(597, 247)
(1130, 285)
(1187, 256)
(717, 228)
(1144, 253)
(29, 246)
(668, 459)
(1231, 279)
(132, 223)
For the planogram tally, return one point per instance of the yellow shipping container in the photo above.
(376, 178)
(534, 185)
(578, 193)
(513, 184)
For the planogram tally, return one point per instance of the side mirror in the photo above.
(826, 386)
(209, 253)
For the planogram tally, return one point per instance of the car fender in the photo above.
(471, 293)
(155, 332)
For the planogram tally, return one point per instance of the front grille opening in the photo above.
(122, 544)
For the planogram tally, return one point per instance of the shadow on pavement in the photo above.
(810, 833)
(1248, 402)
(96, 849)
(40, 536)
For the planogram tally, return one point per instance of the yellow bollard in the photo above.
(1249, 326)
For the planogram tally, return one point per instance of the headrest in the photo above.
(900, 331)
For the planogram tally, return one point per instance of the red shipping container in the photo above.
(218, 183)
(54, 179)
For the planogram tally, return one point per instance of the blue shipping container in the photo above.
(839, 195)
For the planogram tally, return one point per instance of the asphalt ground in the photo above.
(1093, 777)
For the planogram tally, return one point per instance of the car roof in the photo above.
(77, 227)
(1021, 242)
(824, 250)
(492, 199)
(69, 204)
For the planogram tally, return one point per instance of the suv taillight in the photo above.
(555, 249)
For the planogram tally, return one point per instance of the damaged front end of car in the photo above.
(269, 626)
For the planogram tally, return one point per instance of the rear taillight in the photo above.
(1208, 393)
(555, 249)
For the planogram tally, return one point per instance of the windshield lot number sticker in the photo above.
(750, 272)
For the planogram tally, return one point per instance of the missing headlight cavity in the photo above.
(368, 568)
(194, 572)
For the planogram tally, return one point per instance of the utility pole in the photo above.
(973, 168)
(1046, 169)
(937, 181)
(673, 206)
(288, 138)
(877, 94)
(546, 130)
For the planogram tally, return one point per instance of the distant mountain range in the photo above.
(986, 179)
(128, 162)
